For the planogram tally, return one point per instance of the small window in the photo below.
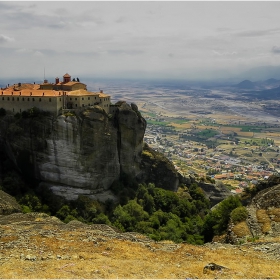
(95, 97)
(59, 99)
(70, 98)
(88, 98)
(76, 105)
(33, 99)
(20, 110)
(83, 105)
(8, 98)
(3, 98)
(75, 98)
(40, 99)
(17, 98)
(82, 98)
(28, 99)
(22, 98)
(50, 100)
(13, 99)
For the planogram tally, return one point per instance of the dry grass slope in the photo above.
(46, 248)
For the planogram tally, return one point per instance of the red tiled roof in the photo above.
(33, 90)
(30, 92)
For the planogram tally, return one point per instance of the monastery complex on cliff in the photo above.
(53, 97)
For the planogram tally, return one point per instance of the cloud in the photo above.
(257, 33)
(38, 53)
(5, 39)
(131, 35)
(125, 52)
(26, 20)
(29, 51)
(24, 50)
(275, 50)
(5, 7)
(58, 24)
(25, 17)
(224, 53)
(121, 19)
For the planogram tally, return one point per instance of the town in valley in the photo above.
(227, 133)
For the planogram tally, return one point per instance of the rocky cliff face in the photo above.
(263, 221)
(75, 155)
(264, 213)
(159, 170)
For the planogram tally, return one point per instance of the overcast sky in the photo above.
(137, 39)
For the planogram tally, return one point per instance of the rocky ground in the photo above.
(36, 245)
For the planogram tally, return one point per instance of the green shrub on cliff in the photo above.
(239, 214)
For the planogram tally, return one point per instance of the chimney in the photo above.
(101, 91)
(56, 81)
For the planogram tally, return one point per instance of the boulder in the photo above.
(213, 267)
(8, 204)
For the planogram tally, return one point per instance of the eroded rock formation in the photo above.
(81, 154)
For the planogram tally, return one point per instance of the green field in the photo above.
(158, 123)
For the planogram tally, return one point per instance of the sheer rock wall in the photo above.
(75, 155)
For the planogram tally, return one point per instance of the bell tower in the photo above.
(66, 78)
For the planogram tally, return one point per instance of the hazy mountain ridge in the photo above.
(247, 84)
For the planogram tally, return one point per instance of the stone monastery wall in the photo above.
(18, 104)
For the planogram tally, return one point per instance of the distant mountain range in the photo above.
(267, 84)
(268, 89)
(246, 84)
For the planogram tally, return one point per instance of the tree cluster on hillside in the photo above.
(160, 214)
(164, 214)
